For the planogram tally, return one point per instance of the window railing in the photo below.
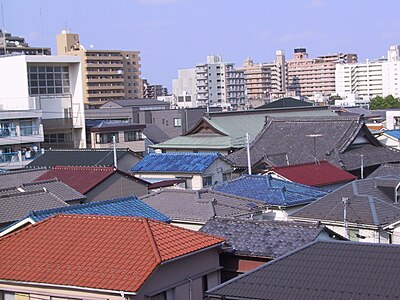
(15, 131)
(18, 156)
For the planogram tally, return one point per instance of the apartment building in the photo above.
(379, 77)
(219, 84)
(10, 44)
(310, 76)
(184, 89)
(106, 74)
(265, 81)
(51, 85)
(152, 91)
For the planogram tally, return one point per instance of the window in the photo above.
(106, 138)
(130, 136)
(48, 80)
(226, 176)
(207, 180)
(180, 98)
(177, 122)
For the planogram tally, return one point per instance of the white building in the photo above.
(372, 78)
(184, 89)
(54, 85)
(219, 84)
(352, 100)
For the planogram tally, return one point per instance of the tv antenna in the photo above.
(4, 32)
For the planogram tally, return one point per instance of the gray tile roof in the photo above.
(339, 140)
(386, 170)
(199, 206)
(268, 239)
(56, 187)
(139, 102)
(371, 202)
(16, 178)
(78, 157)
(322, 270)
(17, 205)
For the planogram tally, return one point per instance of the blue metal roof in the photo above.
(179, 162)
(394, 133)
(271, 190)
(129, 206)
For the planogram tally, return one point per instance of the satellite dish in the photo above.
(16, 43)
(91, 46)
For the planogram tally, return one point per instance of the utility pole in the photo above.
(345, 201)
(248, 152)
(115, 152)
(362, 166)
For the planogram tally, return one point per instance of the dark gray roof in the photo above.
(16, 178)
(58, 188)
(16, 205)
(140, 102)
(339, 140)
(285, 102)
(155, 134)
(79, 157)
(268, 239)
(322, 270)
(200, 206)
(371, 202)
(386, 170)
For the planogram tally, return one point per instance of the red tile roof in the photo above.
(82, 179)
(314, 174)
(100, 252)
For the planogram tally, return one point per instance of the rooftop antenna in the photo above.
(115, 152)
(314, 136)
(4, 32)
(362, 166)
(41, 30)
(345, 201)
(248, 152)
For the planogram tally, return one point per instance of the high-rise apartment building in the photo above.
(219, 84)
(10, 44)
(380, 77)
(265, 81)
(311, 76)
(107, 74)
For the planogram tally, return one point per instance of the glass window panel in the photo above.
(66, 90)
(33, 76)
(65, 76)
(65, 82)
(50, 76)
(65, 69)
(42, 76)
(41, 69)
(34, 91)
(58, 90)
(58, 83)
(57, 76)
(49, 69)
(50, 90)
(57, 69)
(34, 83)
(33, 69)
(42, 90)
(42, 82)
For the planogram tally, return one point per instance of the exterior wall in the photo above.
(136, 146)
(184, 275)
(187, 225)
(370, 235)
(221, 151)
(234, 265)
(393, 119)
(126, 162)
(389, 141)
(116, 186)
(184, 88)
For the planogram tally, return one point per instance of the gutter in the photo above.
(86, 289)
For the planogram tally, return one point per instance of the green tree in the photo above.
(384, 103)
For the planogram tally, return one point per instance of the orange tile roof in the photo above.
(100, 252)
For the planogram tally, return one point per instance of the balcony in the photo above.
(21, 135)
(17, 160)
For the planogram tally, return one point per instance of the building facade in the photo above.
(219, 84)
(106, 74)
(153, 91)
(53, 85)
(10, 44)
(310, 76)
(184, 89)
(265, 81)
(380, 77)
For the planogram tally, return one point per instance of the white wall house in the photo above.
(54, 85)
(184, 89)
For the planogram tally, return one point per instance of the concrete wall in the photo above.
(116, 186)
(14, 78)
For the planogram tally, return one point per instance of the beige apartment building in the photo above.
(265, 81)
(312, 76)
(107, 74)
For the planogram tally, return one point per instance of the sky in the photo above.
(178, 34)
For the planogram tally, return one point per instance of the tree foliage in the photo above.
(384, 103)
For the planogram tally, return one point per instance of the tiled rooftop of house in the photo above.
(178, 162)
(386, 170)
(54, 186)
(270, 190)
(371, 202)
(314, 174)
(268, 239)
(395, 133)
(82, 179)
(200, 206)
(16, 205)
(16, 178)
(129, 206)
(322, 270)
(122, 252)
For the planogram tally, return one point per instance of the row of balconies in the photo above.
(21, 134)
